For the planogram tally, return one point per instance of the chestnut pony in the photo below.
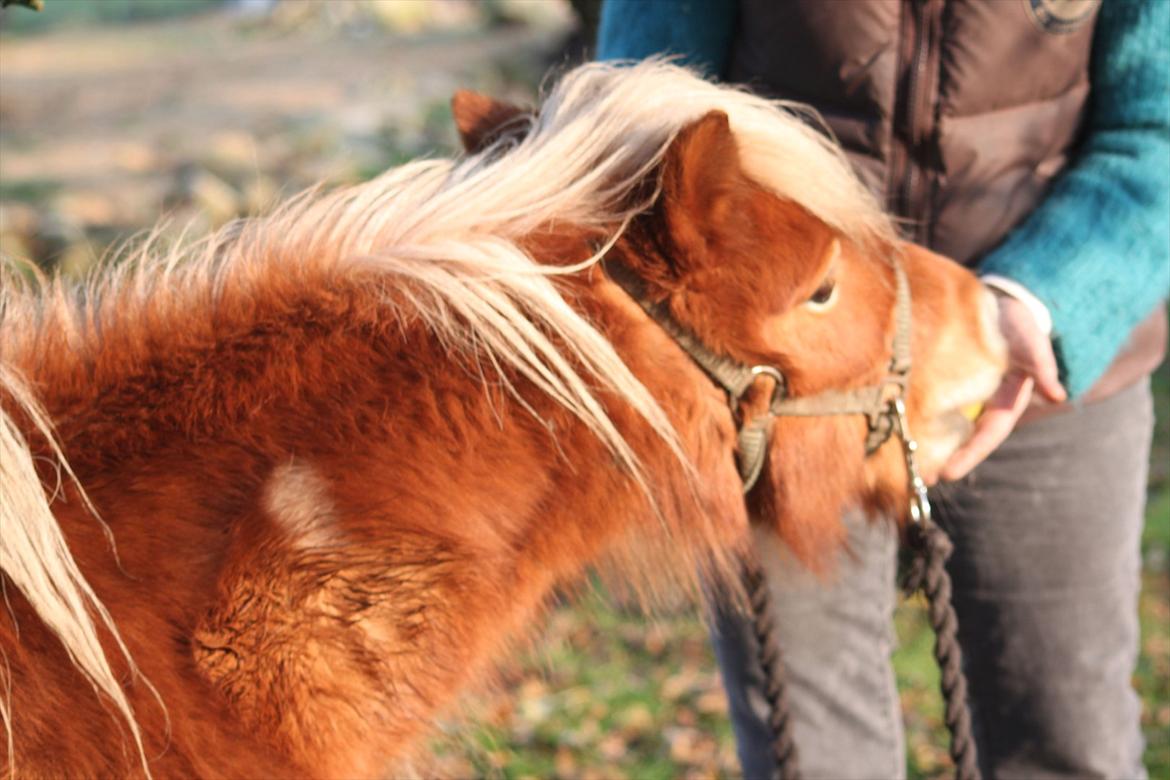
(271, 503)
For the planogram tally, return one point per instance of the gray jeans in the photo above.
(1047, 571)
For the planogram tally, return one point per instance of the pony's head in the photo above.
(771, 259)
(758, 278)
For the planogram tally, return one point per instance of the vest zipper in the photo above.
(912, 185)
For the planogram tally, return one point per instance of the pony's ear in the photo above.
(481, 119)
(702, 179)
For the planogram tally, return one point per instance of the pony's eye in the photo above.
(824, 294)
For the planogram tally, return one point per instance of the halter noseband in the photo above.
(882, 404)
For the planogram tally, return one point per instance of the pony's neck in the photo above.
(327, 457)
(708, 515)
(201, 372)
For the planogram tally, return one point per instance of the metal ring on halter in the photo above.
(779, 391)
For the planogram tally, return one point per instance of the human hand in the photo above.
(1031, 367)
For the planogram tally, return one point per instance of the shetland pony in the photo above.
(271, 503)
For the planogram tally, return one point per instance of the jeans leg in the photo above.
(836, 637)
(1046, 572)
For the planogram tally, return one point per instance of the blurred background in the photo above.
(115, 114)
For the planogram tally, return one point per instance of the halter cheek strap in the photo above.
(881, 404)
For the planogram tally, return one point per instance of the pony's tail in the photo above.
(36, 559)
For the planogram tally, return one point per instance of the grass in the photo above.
(607, 694)
(611, 694)
(81, 13)
(33, 191)
(1153, 673)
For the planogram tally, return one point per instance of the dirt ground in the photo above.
(105, 129)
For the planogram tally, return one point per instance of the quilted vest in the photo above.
(957, 113)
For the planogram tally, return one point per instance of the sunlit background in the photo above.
(116, 114)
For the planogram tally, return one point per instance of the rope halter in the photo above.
(882, 404)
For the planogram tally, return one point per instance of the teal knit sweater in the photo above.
(1096, 251)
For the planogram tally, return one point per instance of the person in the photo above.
(1030, 141)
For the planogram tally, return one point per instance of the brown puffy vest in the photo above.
(958, 113)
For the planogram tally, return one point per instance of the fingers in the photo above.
(1047, 375)
(1031, 349)
(1033, 367)
(1036, 358)
(997, 421)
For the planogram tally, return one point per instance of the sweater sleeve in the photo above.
(700, 31)
(1096, 252)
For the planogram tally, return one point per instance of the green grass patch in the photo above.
(79, 13)
(31, 191)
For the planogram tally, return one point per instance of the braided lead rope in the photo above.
(885, 413)
(772, 664)
(930, 548)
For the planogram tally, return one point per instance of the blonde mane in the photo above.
(451, 230)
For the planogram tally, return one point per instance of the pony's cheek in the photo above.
(776, 332)
(811, 339)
